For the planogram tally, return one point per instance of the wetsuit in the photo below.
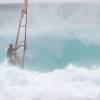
(10, 52)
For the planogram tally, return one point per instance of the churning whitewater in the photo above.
(71, 83)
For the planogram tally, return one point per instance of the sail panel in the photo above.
(20, 44)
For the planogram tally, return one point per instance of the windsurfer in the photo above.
(10, 53)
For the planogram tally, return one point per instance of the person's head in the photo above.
(10, 45)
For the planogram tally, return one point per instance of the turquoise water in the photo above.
(46, 54)
(57, 34)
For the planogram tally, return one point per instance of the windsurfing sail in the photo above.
(21, 39)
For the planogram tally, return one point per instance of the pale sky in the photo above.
(47, 1)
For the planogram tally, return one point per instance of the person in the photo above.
(10, 54)
(10, 51)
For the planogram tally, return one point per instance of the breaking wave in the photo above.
(71, 83)
(60, 34)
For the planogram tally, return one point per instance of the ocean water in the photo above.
(63, 57)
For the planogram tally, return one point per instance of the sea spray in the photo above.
(71, 83)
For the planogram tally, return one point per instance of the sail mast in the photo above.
(25, 12)
(24, 27)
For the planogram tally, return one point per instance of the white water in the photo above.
(71, 83)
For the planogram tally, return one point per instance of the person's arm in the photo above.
(19, 47)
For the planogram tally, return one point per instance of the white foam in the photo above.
(71, 83)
